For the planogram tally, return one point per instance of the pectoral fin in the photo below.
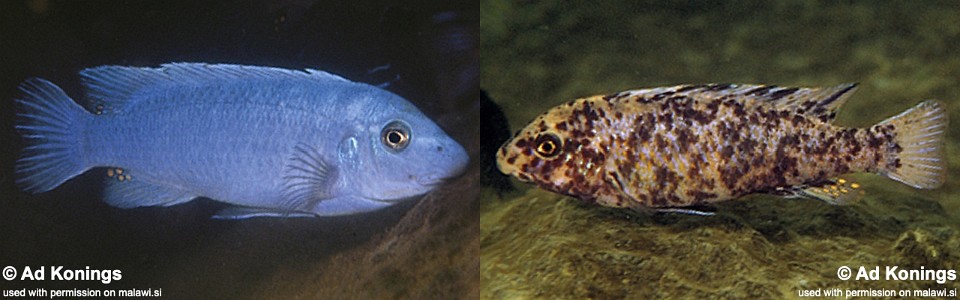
(308, 179)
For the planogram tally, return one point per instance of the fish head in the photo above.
(556, 151)
(407, 154)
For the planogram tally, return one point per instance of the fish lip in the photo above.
(432, 181)
(391, 201)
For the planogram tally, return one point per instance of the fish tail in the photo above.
(919, 132)
(50, 123)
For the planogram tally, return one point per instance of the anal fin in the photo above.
(835, 191)
(126, 191)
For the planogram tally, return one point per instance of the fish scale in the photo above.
(691, 145)
(210, 153)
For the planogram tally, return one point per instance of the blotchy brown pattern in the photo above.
(696, 144)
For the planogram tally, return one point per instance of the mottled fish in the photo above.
(674, 147)
(270, 141)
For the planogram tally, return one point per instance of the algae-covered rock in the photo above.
(921, 247)
(542, 245)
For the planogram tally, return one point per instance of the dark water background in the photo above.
(384, 254)
(538, 54)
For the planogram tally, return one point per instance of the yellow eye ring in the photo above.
(396, 136)
(548, 145)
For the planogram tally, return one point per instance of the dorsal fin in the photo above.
(115, 85)
(818, 102)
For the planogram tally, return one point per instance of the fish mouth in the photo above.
(425, 184)
(390, 201)
(506, 168)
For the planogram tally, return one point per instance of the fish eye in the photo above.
(548, 145)
(396, 136)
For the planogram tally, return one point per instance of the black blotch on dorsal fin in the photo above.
(826, 108)
(821, 103)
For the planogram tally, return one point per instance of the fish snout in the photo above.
(503, 163)
(438, 161)
(454, 159)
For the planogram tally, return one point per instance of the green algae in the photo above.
(535, 244)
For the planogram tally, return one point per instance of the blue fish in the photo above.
(269, 141)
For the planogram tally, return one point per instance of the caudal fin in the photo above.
(49, 122)
(919, 133)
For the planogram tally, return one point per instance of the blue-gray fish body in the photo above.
(273, 142)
